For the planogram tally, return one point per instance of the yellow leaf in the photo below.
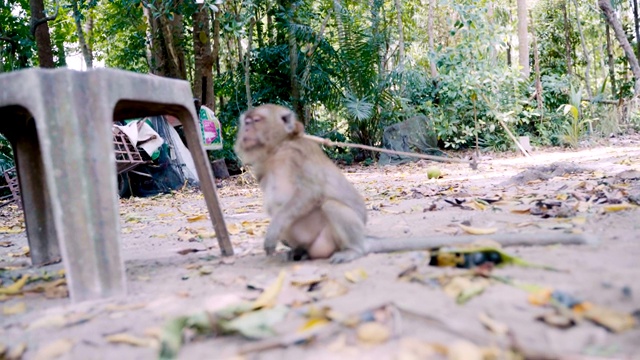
(270, 294)
(124, 338)
(10, 230)
(373, 333)
(477, 231)
(233, 229)
(540, 297)
(618, 207)
(356, 275)
(313, 323)
(15, 309)
(16, 287)
(197, 218)
(54, 349)
(562, 197)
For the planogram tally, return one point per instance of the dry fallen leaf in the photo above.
(373, 333)
(124, 338)
(16, 352)
(464, 350)
(332, 288)
(477, 231)
(197, 218)
(414, 349)
(494, 326)
(612, 320)
(356, 275)
(54, 349)
(270, 294)
(17, 308)
(618, 207)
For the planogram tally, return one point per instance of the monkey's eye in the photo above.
(257, 119)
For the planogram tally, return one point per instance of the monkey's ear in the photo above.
(290, 121)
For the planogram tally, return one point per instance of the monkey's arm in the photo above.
(522, 239)
(304, 195)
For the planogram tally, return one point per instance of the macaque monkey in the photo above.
(314, 209)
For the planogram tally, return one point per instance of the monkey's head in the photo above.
(264, 128)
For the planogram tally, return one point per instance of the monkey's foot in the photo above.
(298, 255)
(344, 256)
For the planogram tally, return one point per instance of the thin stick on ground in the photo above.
(327, 142)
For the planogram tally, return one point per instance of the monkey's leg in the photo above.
(347, 230)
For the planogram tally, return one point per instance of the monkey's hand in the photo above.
(271, 239)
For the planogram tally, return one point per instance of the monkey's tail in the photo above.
(386, 245)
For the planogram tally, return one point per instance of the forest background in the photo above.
(558, 71)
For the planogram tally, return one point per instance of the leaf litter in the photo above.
(300, 307)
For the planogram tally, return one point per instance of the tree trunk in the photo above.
(269, 23)
(605, 6)
(585, 52)
(400, 35)
(40, 30)
(536, 67)
(567, 37)
(247, 66)
(612, 70)
(84, 46)
(216, 49)
(636, 21)
(296, 100)
(203, 60)
(259, 29)
(523, 38)
(432, 63)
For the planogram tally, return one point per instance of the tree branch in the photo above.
(36, 23)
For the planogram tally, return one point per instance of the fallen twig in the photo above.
(328, 142)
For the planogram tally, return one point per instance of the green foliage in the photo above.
(6, 154)
(573, 129)
(474, 82)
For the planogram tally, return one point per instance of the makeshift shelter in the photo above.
(168, 163)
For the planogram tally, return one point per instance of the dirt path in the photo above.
(421, 319)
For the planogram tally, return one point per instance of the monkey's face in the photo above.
(265, 127)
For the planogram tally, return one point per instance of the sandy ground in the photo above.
(424, 321)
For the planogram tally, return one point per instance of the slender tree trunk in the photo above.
(523, 38)
(636, 22)
(151, 50)
(270, 38)
(203, 59)
(296, 100)
(40, 30)
(585, 52)
(605, 6)
(400, 35)
(216, 49)
(86, 51)
(432, 63)
(247, 68)
(612, 69)
(536, 67)
(567, 38)
(259, 26)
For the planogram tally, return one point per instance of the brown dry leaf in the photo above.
(332, 288)
(6, 243)
(24, 252)
(10, 230)
(464, 350)
(414, 349)
(16, 352)
(477, 231)
(373, 333)
(556, 319)
(53, 321)
(612, 320)
(197, 218)
(233, 229)
(540, 297)
(124, 338)
(15, 309)
(54, 349)
(356, 275)
(525, 209)
(494, 326)
(307, 275)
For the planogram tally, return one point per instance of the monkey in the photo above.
(314, 209)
